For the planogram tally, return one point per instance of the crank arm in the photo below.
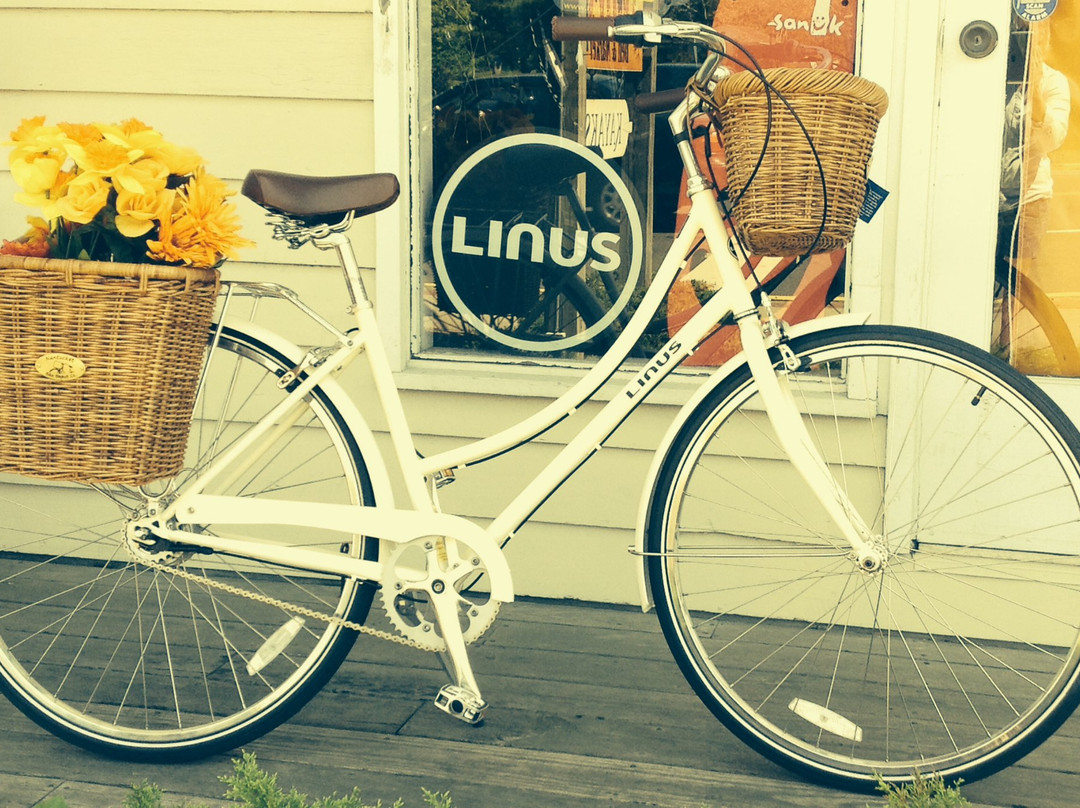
(461, 698)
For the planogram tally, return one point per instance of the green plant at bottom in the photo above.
(147, 795)
(251, 787)
(923, 792)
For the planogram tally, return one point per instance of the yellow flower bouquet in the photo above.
(106, 304)
(119, 192)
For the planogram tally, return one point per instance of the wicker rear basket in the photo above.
(781, 211)
(99, 365)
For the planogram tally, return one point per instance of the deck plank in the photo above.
(588, 709)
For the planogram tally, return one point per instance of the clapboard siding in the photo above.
(217, 53)
(294, 6)
(289, 85)
(249, 83)
(233, 134)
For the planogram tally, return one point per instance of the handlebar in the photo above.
(660, 101)
(646, 28)
(582, 29)
(641, 28)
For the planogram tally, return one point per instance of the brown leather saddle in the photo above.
(320, 200)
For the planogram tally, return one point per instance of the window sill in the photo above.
(532, 379)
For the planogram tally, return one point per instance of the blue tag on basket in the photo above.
(875, 195)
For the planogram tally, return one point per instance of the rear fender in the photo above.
(365, 439)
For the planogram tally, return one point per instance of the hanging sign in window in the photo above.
(608, 55)
(607, 126)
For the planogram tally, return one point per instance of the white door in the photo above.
(976, 79)
(991, 258)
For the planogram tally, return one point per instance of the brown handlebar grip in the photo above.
(570, 29)
(661, 101)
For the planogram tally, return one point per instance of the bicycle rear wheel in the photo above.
(961, 654)
(111, 654)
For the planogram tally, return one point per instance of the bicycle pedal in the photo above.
(461, 703)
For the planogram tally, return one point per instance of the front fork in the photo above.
(774, 384)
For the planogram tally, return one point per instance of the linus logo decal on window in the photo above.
(519, 254)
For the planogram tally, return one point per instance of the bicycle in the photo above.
(860, 540)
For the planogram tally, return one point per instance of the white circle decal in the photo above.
(537, 243)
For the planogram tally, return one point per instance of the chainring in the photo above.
(411, 569)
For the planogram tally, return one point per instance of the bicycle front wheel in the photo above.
(193, 655)
(957, 656)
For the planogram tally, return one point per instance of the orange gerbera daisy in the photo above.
(203, 229)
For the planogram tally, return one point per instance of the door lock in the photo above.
(978, 39)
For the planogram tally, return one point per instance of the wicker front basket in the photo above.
(99, 365)
(780, 210)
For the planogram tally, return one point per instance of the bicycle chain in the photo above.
(303, 611)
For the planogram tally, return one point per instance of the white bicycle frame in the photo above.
(201, 504)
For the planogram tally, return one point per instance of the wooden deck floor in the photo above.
(588, 709)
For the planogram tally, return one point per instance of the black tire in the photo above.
(135, 662)
(961, 654)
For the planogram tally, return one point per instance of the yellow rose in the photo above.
(144, 176)
(181, 160)
(134, 135)
(34, 172)
(135, 213)
(85, 196)
(46, 199)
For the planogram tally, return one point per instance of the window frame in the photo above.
(402, 101)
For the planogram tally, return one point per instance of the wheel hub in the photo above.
(144, 545)
(875, 557)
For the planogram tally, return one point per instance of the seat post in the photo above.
(340, 244)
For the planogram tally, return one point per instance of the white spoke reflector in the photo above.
(274, 645)
(826, 719)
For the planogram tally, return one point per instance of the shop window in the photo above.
(521, 238)
(1036, 323)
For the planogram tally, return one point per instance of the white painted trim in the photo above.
(394, 237)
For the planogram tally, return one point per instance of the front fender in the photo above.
(638, 547)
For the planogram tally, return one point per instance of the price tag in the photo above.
(875, 196)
